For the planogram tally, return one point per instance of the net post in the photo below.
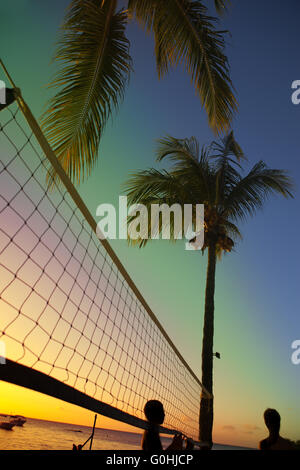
(93, 431)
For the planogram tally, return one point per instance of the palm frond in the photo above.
(155, 188)
(250, 192)
(144, 11)
(154, 185)
(232, 230)
(95, 66)
(190, 164)
(227, 154)
(185, 34)
(227, 147)
(177, 149)
(221, 6)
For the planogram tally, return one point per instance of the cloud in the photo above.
(228, 427)
(251, 427)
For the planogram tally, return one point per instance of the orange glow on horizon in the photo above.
(21, 401)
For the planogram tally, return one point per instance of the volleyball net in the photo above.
(69, 311)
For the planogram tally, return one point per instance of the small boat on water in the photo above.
(6, 425)
(17, 420)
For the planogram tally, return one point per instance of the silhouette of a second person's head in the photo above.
(274, 441)
(272, 420)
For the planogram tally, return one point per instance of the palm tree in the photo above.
(211, 176)
(95, 64)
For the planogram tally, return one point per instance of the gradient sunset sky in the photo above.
(257, 297)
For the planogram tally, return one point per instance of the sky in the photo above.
(256, 302)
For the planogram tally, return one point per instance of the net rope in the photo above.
(65, 308)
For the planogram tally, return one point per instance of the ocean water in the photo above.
(48, 435)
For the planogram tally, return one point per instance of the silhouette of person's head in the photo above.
(272, 420)
(154, 412)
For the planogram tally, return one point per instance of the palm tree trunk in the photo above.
(206, 405)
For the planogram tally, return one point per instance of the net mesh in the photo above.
(65, 308)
